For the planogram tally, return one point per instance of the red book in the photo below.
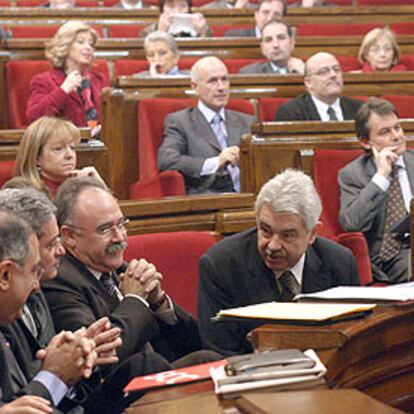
(175, 376)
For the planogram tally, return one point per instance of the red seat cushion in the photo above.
(180, 269)
(6, 171)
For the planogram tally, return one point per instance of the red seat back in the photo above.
(326, 165)
(268, 108)
(41, 31)
(349, 63)
(404, 104)
(401, 28)
(176, 256)
(151, 116)
(348, 29)
(383, 2)
(125, 30)
(407, 61)
(6, 171)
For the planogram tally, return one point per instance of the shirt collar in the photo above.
(258, 32)
(208, 113)
(278, 69)
(174, 71)
(96, 273)
(297, 270)
(323, 107)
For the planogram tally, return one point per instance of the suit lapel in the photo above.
(234, 128)
(311, 108)
(205, 132)
(315, 275)
(409, 164)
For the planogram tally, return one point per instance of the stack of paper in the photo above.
(279, 380)
(301, 312)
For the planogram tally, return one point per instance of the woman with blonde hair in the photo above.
(71, 89)
(379, 51)
(46, 156)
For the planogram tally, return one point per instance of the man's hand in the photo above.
(140, 278)
(384, 160)
(296, 65)
(72, 82)
(229, 155)
(86, 172)
(69, 356)
(28, 404)
(106, 339)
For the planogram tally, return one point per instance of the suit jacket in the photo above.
(241, 33)
(46, 97)
(13, 382)
(189, 140)
(258, 67)
(302, 108)
(232, 273)
(77, 298)
(363, 203)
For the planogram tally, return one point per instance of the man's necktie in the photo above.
(332, 114)
(109, 283)
(290, 287)
(221, 135)
(29, 321)
(395, 211)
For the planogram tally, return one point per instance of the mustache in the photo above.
(275, 254)
(115, 247)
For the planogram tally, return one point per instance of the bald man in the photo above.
(322, 100)
(202, 141)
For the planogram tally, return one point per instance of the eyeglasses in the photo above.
(107, 229)
(324, 72)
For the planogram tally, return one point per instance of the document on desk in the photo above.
(291, 311)
(402, 292)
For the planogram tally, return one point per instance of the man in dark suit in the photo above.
(202, 142)
(88, 287)
(68, 356)
(376, 189)
(276, 44)
(266, 10)
(322, 101)
(281, 258)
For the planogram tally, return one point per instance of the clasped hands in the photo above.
(142, 278)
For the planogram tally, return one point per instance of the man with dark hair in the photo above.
(377, 187)
(277, 45)
(94, 281)
(322, 100)
(266, 10)
(67, 358)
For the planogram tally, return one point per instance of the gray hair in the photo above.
(68, 195)
(292, 191)
(159, 36)
(29, 204)
(14, 238)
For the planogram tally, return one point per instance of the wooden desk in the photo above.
(348, 401)
(374, 354)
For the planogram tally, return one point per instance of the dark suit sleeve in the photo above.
(172, 154)
(288, 112)
(227, 338)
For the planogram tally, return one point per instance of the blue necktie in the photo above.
(221, 135)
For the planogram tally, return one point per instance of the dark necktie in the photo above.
(332, 114)
(289, 286)
(395, 211)
(108, 282)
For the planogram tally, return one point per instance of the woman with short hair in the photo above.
(71, 89)
(379, 52)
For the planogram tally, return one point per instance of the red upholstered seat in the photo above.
(339, 2)
(6, 171)
(19, 73)
(151, 115)
(326, 165)
(404, 104)
(383, 2)
(268, 108)
(407, 61)
(125, 30)
(403, 28)
(349, 63)
(318, 29)
(176, 256)
(41, 31)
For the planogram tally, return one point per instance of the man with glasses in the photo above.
(322, 100)
(94, 281)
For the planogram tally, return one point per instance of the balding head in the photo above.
(323, 77)
(210, 81)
